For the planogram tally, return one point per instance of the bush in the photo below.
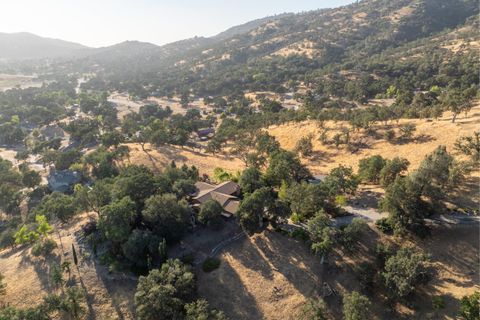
(300, 234)
(470, 306)
(340, 200)
(438, 302)
(313, 309)
(389, 135)
(295, 218)
(356, 306)
(210, 264)
(44, 247)
(366, 276)
(384, 225)
(382, 253)
(352, 232)
(369, 168)
(7, 238)
(188, 258)
(404, 271)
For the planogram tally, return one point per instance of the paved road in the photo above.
(372, 215)
(368, 214)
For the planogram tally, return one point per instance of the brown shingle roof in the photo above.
(221, 193)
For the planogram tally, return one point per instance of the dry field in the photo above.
(125, 105)
(9, 81)
(269, 276)
(109, 296)
(429, 135)
(158, 158)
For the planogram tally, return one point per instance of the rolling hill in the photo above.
(282, 52)
(25, 45)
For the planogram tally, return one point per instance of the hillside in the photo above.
(29, 46)
(351, 42)
(319, 165)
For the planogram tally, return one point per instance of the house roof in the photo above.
(231, 206)
(222, 193)
(205, 131)
(204, 189)
(62, 181)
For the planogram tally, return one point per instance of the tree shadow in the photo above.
(424, 138)
(297, 266)
(225, 291)
(42, 267)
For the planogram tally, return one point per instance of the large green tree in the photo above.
(166, 216)
(163, 293)
(116, 220)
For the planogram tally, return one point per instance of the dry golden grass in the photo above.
(304, 47)
(109, 296)
(430, 134)
(159, 157)
(9, 81)
(269, 276)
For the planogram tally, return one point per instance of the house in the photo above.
(317, 179)
(63, 181)
(205, 132)
(52, 132)
(224, 193)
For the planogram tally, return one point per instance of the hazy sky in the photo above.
(105, 22)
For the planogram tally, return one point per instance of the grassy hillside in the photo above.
(279, 54)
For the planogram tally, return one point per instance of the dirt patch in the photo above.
(430, 134)
(10, 81)
(159, 157)
(269, 276)
(266, 276)
(109, 295)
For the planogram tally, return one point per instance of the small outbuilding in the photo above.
(63, 181)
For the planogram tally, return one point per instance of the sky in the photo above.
(99, 23)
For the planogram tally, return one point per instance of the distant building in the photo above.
(63, 181)
(316, 179)
(205, 133)
(52, 132)
(224, 193)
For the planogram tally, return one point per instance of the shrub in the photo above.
(313, 309)
(352, 232)
(188, 258)
(304, 146)
(300, 234)
(340, 200)
(384, 225)
(7, 238)
(356, 306)
(295, 218)
(404, 271)
(210, 264)
(382, 253)
(369, 168)
(44, 247)
(470, 306)
(366, 276)
(438, 302)
(407, 131)
(389, 135)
